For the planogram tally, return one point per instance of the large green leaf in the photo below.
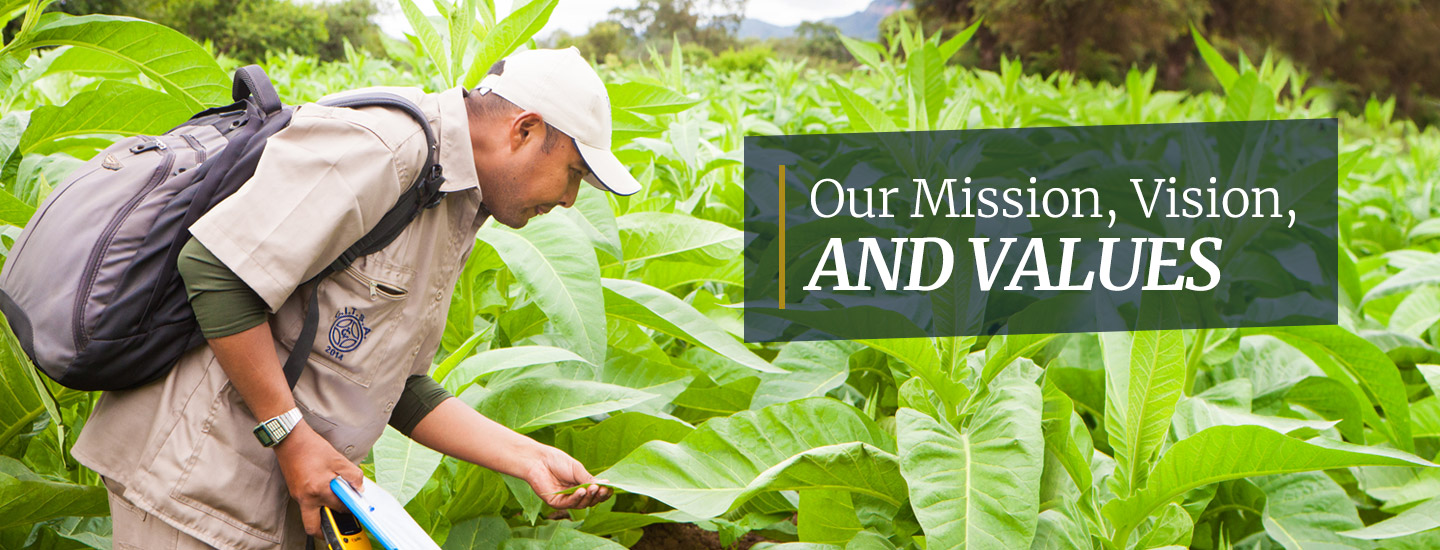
(462, 23)
(977, 488)
(814, 369)
(1195, 414)
(25, 498)
(88, 62)
(1172, 528)
(186, 71)
(790, 445)
(601, 446)
(863, 114)
(486, 362)
(826, 517)
(705, 399)
(1004, 350)
(1331, 400)
(923, 357)
(428, 39)
(639, 97)
(1307, 510)
(486, 532)
(508, 35)
(593, 215)
(646, 305)
(602, 520)
(855, 467)
(1156, 377)
(112, 108)
(1425, 274)
(926, 83)
(1222, 70)
(20, 402)
(1417, 312)
(1056, 424)
(649, 235)
(1231, 452)
(953, 45)
(1343, 355)
(866, 52)
(1249, 99)
(1061, 529)
(402, 466)
(1421, 518)
(552, 259)
(529, 404)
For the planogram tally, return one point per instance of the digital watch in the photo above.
(272, 432)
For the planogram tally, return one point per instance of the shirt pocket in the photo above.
(230, 476)
(362, 309)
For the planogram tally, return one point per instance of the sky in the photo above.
(576, 16)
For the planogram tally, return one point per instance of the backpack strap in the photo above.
(424, 193)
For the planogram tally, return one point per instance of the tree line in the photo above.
(250, 29)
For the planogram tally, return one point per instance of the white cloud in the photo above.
(792, 12)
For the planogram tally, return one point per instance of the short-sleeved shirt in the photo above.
(182, 446)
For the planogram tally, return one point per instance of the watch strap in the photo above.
(271, 432)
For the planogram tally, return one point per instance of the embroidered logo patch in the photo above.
(346, 333)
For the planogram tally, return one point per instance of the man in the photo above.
(178, 455)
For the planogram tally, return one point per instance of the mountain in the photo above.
(861, 24)
(755, 28)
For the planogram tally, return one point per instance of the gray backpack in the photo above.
(90, 287)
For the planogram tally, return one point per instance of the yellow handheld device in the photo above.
(342, 531)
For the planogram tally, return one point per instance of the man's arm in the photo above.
(232, 318)
(307, 460)
(457, 430)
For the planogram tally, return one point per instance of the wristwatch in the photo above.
(272, 432)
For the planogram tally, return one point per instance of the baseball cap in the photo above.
(564, 89)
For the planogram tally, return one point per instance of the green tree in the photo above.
(711, 23)
(605, 38)
(255, 28)
(351, 20)
(1374, 47)
(822, 40)
(252, 28)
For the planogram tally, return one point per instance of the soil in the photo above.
(685, 536)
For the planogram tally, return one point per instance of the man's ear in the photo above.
(526, 127)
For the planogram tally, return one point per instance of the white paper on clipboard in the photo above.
(383, 517)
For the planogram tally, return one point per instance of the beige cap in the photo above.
(564, 89)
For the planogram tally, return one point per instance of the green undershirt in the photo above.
(224, 305)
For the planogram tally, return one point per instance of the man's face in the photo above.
(530, 181)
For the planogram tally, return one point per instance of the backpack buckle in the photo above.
(433, 179)
(435, 200)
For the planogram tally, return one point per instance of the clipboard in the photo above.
(384, 518)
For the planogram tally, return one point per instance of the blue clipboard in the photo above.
(387, 522)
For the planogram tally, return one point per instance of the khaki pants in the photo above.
(134, 529)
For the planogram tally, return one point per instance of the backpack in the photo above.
(90, 287)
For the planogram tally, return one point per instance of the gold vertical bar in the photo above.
(782, 236)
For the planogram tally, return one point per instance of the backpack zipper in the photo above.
(108, 235)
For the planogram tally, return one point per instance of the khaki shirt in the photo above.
(182, 446)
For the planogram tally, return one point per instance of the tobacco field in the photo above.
(612, 330)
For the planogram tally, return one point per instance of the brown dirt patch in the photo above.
(685, 536)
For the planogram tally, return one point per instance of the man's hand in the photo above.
(549, 471)
(309, 463)
(554, 471)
